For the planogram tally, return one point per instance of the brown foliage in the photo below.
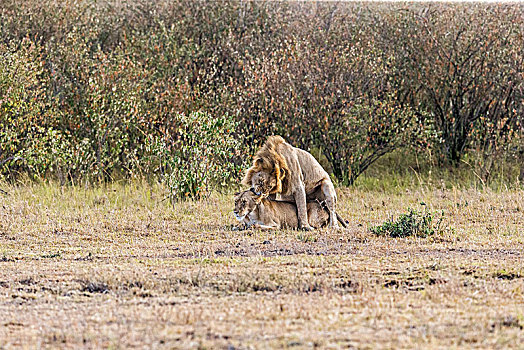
(353, 80)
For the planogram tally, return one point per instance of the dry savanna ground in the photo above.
(118, 267)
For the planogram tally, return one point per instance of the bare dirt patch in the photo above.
(130, 271)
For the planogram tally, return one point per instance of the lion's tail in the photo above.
(342, 221)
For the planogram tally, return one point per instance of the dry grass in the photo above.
(118, 267)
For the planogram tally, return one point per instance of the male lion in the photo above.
(279, 168)
(255, 210)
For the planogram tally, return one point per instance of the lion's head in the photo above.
(269, 170)
(245, 203)
(264, 182)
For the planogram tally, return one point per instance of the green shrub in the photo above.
(414, 223)
(195, 156)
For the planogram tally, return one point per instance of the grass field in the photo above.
(118, 267)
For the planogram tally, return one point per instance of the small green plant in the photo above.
(414, 223)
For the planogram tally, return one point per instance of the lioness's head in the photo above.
(263, 183)
(245, 203)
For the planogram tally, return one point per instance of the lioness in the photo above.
(279, 168)
(258, 211)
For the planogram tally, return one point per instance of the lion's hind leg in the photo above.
(330, 199)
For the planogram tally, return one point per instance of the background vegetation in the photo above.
(93, 91)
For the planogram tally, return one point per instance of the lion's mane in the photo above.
(269, 159)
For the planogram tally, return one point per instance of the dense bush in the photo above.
(90, 90)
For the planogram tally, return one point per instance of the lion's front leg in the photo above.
(300, 199)
(330, 198)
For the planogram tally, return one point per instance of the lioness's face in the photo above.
(245, 203)
(263, 183)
